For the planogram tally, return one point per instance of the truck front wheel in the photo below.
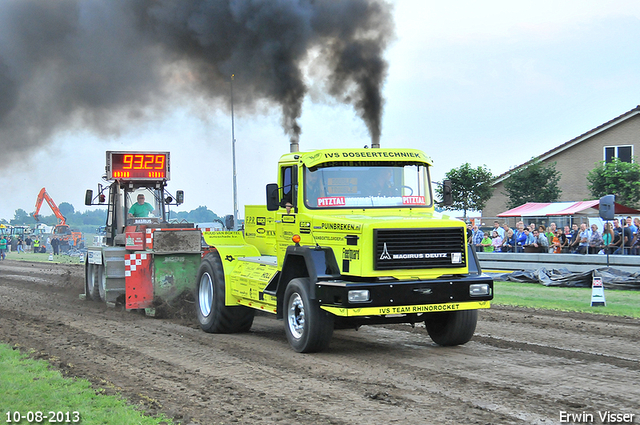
(309, 328)
(214, 316)
(451, 328)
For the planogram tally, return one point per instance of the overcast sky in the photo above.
(490, 83)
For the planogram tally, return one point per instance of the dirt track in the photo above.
(521, 367)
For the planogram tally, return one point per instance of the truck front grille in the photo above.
(419, 248)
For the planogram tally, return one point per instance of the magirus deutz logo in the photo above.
(456, 257)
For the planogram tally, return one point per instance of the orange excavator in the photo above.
(62, 230)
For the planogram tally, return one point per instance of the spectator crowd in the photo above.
(618, 237)
(53, 245)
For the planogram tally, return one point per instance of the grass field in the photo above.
(30, 386)
(535, 295)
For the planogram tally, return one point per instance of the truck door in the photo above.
(286, 216)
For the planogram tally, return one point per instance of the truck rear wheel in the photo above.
(452, 328)
(91, 286)
(214, 316)
(309, 328)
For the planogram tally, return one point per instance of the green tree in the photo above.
(22, 217)
(616, 178)
(470, 187)
(96, 217)
(200, 215)
(533, 183)
(66, 209)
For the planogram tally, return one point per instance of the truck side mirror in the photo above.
(180, 197)
(228, 222)
(88, 197)
(273, 201)
(447, 196)
(607, 207)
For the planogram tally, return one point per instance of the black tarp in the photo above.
(611, 278)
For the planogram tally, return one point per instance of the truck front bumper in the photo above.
(469, 292)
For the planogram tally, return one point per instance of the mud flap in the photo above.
(138, 281)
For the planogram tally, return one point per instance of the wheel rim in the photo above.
(205, 296)
(295, 316)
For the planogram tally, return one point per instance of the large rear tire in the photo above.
(451, 328)
(91, 286)
(309, 328)
(214, 316)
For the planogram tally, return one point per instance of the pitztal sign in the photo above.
(336, 201)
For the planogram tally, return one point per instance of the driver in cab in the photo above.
(382, 183)
(140, 208)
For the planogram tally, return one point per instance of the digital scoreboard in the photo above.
(137, 165)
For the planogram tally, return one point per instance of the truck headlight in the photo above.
(479, 289)
(359, 296)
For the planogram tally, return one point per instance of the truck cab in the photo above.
(351, 237)
(341, 202)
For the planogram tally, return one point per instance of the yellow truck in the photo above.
(348, 237)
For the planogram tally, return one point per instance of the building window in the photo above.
(623, 153)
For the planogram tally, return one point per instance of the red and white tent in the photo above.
(548, 209)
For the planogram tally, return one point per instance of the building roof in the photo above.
(546, 209)
(607, 125)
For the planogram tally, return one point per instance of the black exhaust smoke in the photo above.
(108, 64)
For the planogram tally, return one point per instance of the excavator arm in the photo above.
(44, 196)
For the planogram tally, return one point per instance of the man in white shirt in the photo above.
(497, 228)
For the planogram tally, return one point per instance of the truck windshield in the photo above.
(384, 185)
